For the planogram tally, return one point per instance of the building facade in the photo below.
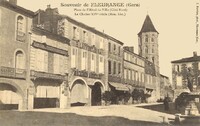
(185, 74)
(48, 68)
(15, 24)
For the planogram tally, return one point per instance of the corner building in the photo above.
(15, 24)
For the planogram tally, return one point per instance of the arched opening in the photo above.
(10, 97)
(96, 94)
(19, 61)
(78, 93)
(20, 24)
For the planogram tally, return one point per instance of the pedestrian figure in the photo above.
(166, 103)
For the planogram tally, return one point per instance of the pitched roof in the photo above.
(147, 26)
(188, 59)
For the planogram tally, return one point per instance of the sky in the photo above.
(174, 20)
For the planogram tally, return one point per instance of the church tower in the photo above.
(148, 43)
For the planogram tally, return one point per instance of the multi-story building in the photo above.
(34, 62)
(48, 68)
(15, 24)
(134, 70)
(185, 74)
(86, 56)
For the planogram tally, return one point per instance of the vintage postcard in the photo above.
(99, 62)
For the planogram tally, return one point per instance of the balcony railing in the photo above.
(20, 36)
(95, 75)
(12, 72)
(38, 74)
(84, 73)
(84, 45)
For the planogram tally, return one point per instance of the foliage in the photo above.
(108, 96)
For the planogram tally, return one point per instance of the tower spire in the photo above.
(147, 25)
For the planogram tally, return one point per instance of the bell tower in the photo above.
(148, 42)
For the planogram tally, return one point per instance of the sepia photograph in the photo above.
(99, 63)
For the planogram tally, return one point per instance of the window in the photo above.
(153, 59)
(178, 69)
(146, 38)
(119, 68)
(20, 24)
(84, 61)
(84, 36)
(93, 39)
(101, 64)
(146, 49)
(92, 56)
(19, 61)
(20, 36)
(119, 50)
(125, 74)
(114, 67)
(109, 67)
(101, 43)
(101, 59)
(152, 39)
(114, 47)
(179, 81)
(74, 32)
(109, 47)
(93, 62)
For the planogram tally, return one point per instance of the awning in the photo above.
(119, 86)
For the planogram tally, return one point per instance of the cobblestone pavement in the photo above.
(131, 112)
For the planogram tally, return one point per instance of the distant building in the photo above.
(166, 89)
(185, 70)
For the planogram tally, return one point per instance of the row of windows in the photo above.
(96, 64)
(188, 65)
(133, 75)
(86, 37)
(150, 39)
(114, 67)
(48, 62)
(132, 58)
(138, 76)
(147, 50)
(113, 48)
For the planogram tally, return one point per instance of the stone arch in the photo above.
(15, 85)
(15, 88)
(79, 92)
(96, 93)
(102, 84)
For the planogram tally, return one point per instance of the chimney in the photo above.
(13, 2)
(48, 6)
(194, 54)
